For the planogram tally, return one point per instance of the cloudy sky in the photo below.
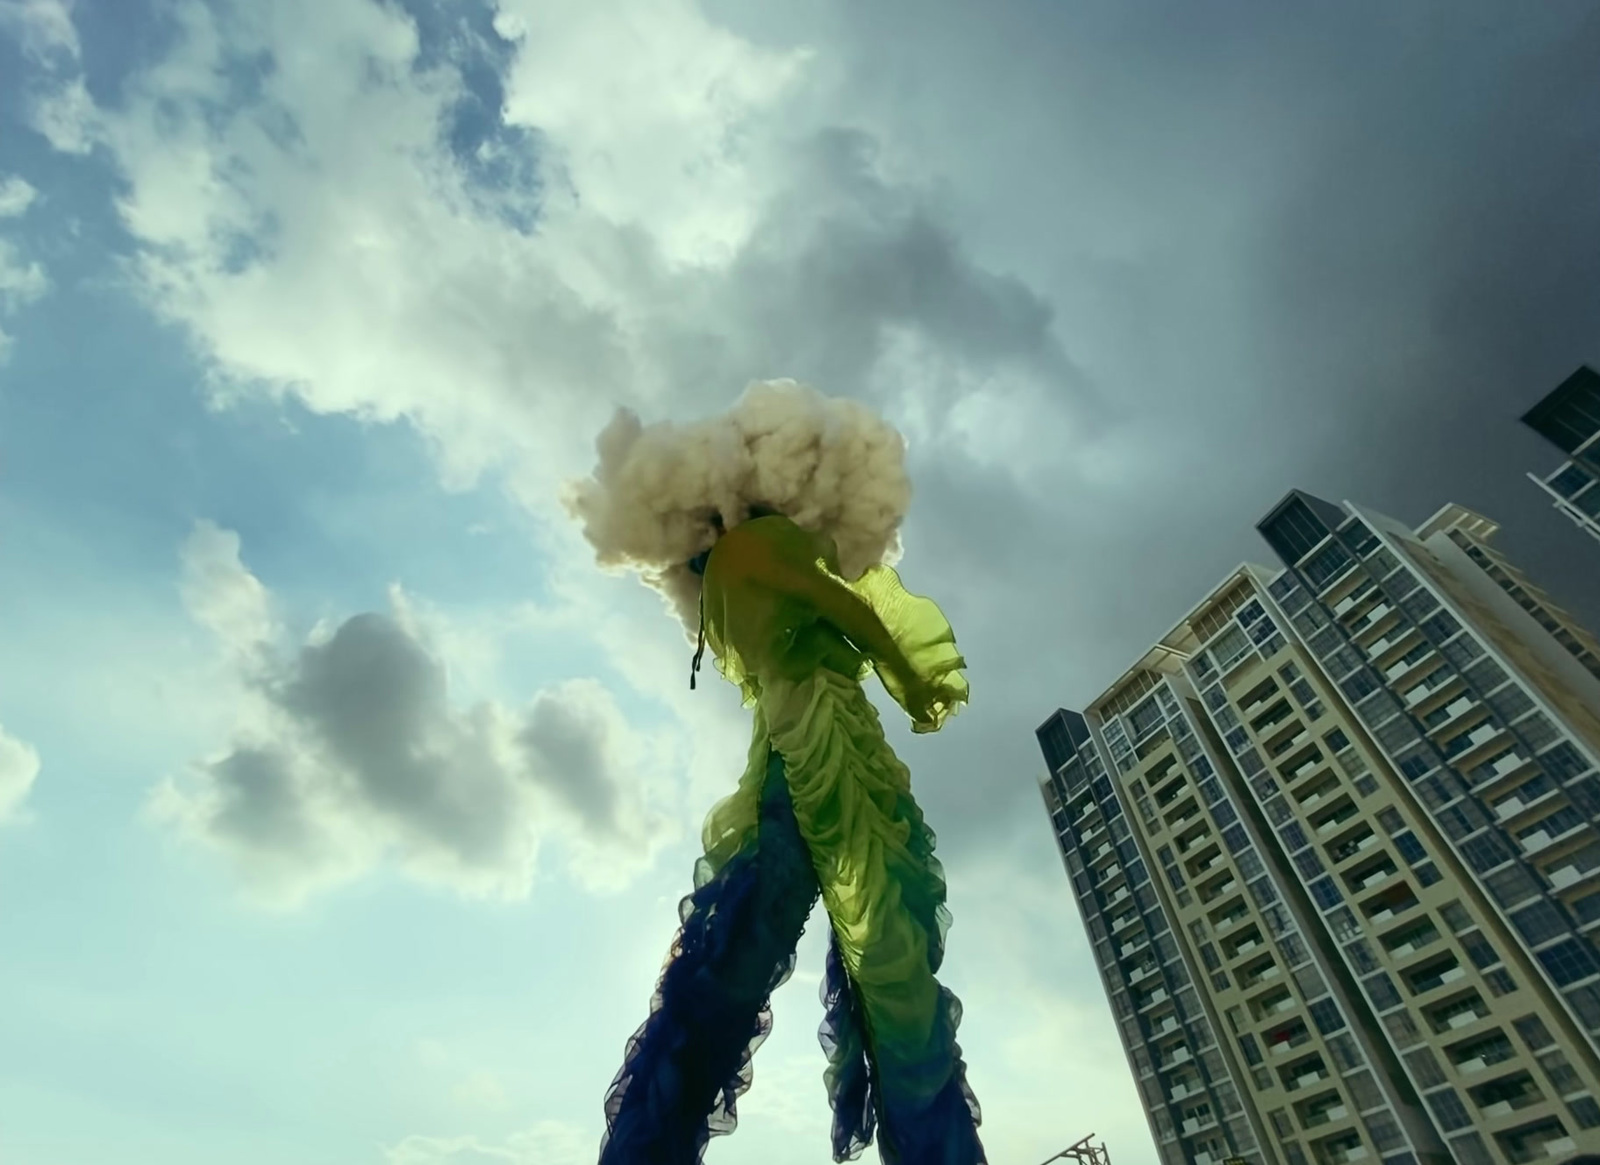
(344, 807)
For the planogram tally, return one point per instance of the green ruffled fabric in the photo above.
(871, 848)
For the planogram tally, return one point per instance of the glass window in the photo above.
(1539, 923)
(1563, 761)
(1235, 838)
(1263, 891)
(1569, 962)
(1381, 990)
(1327, 1016)
(1361, 957)
(1500, 981)
(1585, 1111)
(1425, 1067)
(1456, 917)
(1468, 1149)
(1512, 885)
(1533, 1032)
(1325, 893)
(1448, 1110)
(1402, 1029)
(1410, 848)
(1329, 562)
(1479, 950)
(1427, 873)
(1294, 837)
(1486, 852)
(1309, 865)
(1562, 1078)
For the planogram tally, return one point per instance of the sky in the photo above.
(345, 806)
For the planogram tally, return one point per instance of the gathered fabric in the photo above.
(824, 809)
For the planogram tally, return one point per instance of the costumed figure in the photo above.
(771, 530)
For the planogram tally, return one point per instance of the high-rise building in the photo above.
(1569, 418)
(1334, 842)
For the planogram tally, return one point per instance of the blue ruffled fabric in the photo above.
(686, 1067)
(849, 1076)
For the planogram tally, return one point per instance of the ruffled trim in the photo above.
(934, 688)
(885, 893)
(849, 1074)
(687, 1065)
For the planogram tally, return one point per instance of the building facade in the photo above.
(1334, 843)
(1569, 418)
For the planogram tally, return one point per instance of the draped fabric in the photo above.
(824, 808)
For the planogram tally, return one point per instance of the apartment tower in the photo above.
(1569, 418)
(1333, 840)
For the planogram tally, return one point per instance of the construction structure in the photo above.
(1334, 842)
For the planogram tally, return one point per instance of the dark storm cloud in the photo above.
(1338, 247)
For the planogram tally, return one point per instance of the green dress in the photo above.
(824, 808)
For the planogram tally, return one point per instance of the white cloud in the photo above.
(60, 106)
(21, 283)
(351, 751)
(16, 195)
(43, 28)
(19, 768)
(654, 114)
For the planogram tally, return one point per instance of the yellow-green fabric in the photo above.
(871, 849)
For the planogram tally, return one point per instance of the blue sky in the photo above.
(311, 308)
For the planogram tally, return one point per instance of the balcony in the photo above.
(1198, 1124)
(1304, 1074)
(1191, 840)
(1455, 1014)
(1431, 684)
(1570, 874)
(1371, 875)
(1214, 890)
(1355, 598)
(1185, 1087)
(1341, 1149)
(1357, 842)
(1540, 1141)
(1434, 974)
(1519, 802)
(1374, 616)
(1481, 1054)
(1509, 1094)
(1142, 972)
(1403, 943)
(1538, 839)
(1271, 718)
(1327, 821)
(1496, 767)
(1458, 748)
(1259, 972)
(1285, 1039)
(1323, 790)
(1315, 1116)
(1388, 904)
(1273, 1003)
(1408, 662)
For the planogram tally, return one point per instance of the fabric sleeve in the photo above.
(928, 680)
